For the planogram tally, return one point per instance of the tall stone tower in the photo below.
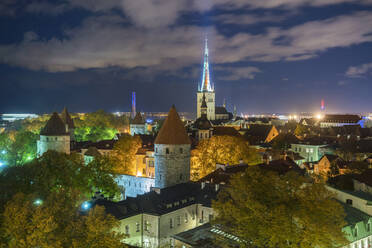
(54, 136)
(205, 88)
(172, 152)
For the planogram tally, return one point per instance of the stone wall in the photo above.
(56, 143)
(172, 165)
(133, 186)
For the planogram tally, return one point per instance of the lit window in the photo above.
(137, 227)
(146, 225)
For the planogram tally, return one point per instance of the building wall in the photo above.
(311, 153)
(357, 202)
(272, 134)
(359, 186)
(56, 143)
(133, 186)
(211, 103)
(172, 165)
(204, 134)
(138, 129)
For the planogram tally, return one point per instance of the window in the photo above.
(181, 150)
(368, 227)
(156, 150)
(186, 218)
(356, 232)
(144, 160)
(127, 230)
(137, 227)
(349, 201)
(202, 217)
(193, 214)
(205, 135)
(167, 150)
(146, 225)
(179, 220)
(170, 223)
(180, 176)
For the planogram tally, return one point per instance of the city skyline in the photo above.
(264, 57)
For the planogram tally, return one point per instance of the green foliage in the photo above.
(58, 172)
(17, 147)
(56, 223)
(272, 211)
(223, 150)
(125, 151)
(94, 133)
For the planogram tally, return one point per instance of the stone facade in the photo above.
(60, 143)
(172, 164)
(132, 186)
(211, 104)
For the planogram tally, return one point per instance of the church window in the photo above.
(127, 229)
(137, 227)
(167, 150)
(170, 223)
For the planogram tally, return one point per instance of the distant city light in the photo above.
(86, 205)
(148, 120)
(319, 116)
(38, 202)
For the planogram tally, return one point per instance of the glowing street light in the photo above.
(86, 205)
(319, 116)
(38, 202)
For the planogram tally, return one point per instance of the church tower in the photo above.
(172, 152)
(206, 88)
(66, 118)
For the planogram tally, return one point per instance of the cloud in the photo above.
(248, 19)
(107, 40)
(359, 71)
(232, 73)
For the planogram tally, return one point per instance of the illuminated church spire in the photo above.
(206, 85)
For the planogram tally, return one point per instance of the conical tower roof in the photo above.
(54, 126)
(173, 131)
(66, 118)
(138, 119)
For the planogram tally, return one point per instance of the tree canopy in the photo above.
(125, 151)
(271, 211)
(221, 149)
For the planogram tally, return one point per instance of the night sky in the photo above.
(266, 56)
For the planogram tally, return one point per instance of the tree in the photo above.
(221, 149)
(125, 152)
(300, 130)
(17, 147)
(56, 222)
(271, 211)
(58, 172)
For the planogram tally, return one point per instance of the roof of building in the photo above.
(92, 151)
(158, 203)
(341, 118)
(173, 131)
(354, 215)
(223, 174)
(203, 123)
(221, 130)
(282, 166)
(257, 133)
(219, 110)
(204, 236)
(54, 126)
(138, 119)
(365, 177)
(66, 118)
